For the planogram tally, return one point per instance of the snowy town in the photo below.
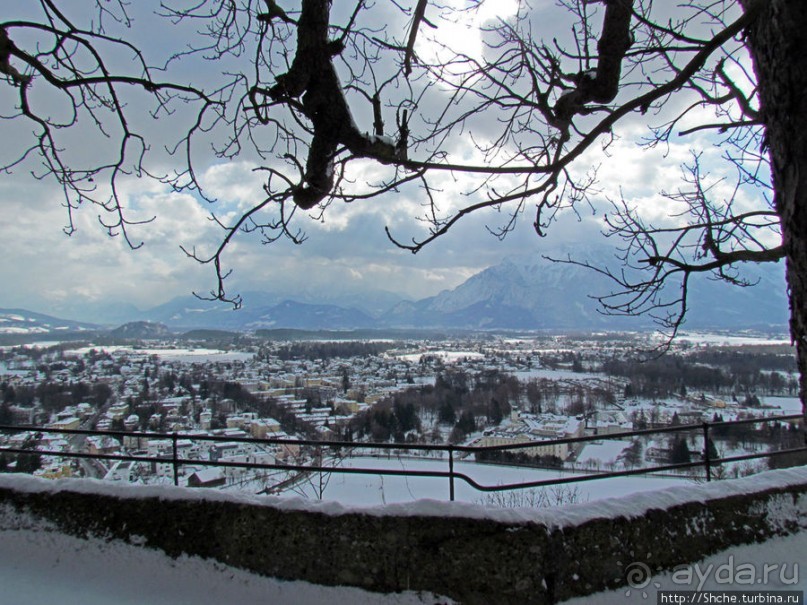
(474, 391)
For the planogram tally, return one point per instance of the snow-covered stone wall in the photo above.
(468, 552)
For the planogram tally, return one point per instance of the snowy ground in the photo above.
(187, 355)
(784, 405)
(777, 565)
(368, 490)
(601, 454)
(50, 567)
(708, 338)
(39, 566)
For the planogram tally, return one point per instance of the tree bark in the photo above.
(777, 40)
(313, 76)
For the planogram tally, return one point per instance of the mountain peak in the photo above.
(142, 330)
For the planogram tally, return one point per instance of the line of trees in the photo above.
(325, 350)
(677, 375)
(55, 396)
(456, 400)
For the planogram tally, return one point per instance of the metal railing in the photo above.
(450, 451)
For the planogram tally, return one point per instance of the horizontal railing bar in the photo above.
(346, 470)
(567, 440)
(768, 454)
(590, 476)
(581, 478)
(399, 446)
(232, 464)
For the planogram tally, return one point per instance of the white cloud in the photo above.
(460, 28)
(235, 182)
(43, 265)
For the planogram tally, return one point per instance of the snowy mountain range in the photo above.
(23, 322)
(520, 293)
(535, 293)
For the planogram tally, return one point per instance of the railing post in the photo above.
(451, 471)
(706, 458)
(174, 457)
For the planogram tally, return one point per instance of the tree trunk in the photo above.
(778, 43)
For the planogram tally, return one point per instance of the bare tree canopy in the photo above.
(319, 94)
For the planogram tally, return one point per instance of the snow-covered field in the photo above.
(445, 356)
(714, 338)
(537, 373)
(787, 405)
(602, 453)
(188, 355)
(366, 490)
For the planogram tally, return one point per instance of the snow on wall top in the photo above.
(631, 506)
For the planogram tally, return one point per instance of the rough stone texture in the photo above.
(473, 560)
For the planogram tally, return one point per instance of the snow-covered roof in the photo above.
(209, 474)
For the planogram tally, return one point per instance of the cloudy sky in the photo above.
(43, 269)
